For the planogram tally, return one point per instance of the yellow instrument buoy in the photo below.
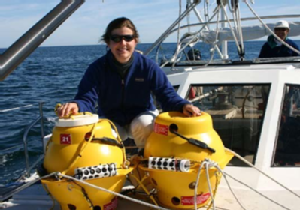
(89, 150)
(175, 150)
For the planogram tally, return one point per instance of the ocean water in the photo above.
(51, 75)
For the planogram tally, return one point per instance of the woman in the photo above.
(122, 82)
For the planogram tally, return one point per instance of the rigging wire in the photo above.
(216, 39)
(195, 35)
(206, 12)
(232, 30)
(266, 175)
(178, 37)
(240, 33)
(20, 107)
(270, 31)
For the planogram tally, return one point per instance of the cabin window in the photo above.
(237, 112)
(287, 146)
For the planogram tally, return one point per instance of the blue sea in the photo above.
(51, 75)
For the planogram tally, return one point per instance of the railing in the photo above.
(41, 119)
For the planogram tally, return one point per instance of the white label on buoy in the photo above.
(77, 120)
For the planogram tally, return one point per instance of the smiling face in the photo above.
(281, 32)
(122, 50)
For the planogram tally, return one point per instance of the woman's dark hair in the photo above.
(119, 23)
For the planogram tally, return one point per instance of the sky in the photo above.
(88, 23)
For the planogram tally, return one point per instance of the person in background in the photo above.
(122, 82)
(193, 55)
(274, 48)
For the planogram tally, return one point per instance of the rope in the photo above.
(197, 182)
(216, 39)
(232, 31)
(140, 184)
(269, 199)
(198, 15)
(7, 110)
(208, 164)
(178, 38)
(120, 140)
(80, 150)
(250, 164)
(236, 198)
(10, 148)
(112, 192)
(209, 184)
(260, 20)
(194, 35)
(57, 174)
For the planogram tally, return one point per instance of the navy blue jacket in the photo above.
(271, 50)
(121, 100)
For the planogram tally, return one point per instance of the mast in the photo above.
(224, 25)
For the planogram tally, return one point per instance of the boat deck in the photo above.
(35, 197)
(10, 189)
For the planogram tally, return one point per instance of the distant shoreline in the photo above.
(101, 44)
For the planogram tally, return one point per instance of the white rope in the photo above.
(192, 39)
(216, 39)
(112, 192)
(198, 15)
(208, 164)
(194, 36)
(178, 38)
(196, 184)
(232, 31)
(260, 20)
(7, 110)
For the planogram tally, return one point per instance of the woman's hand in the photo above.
(67, 109)
(191, 111)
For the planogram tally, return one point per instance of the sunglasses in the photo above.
(281, 29)
(119, 38)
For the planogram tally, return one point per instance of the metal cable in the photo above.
(216, 39)
(234, 195)
(194, 35)
(20, 107)
(232, 31)
(178, 37)
(269, 199)
(112, 192)
(250, 164)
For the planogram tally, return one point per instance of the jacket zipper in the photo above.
(123, 93)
